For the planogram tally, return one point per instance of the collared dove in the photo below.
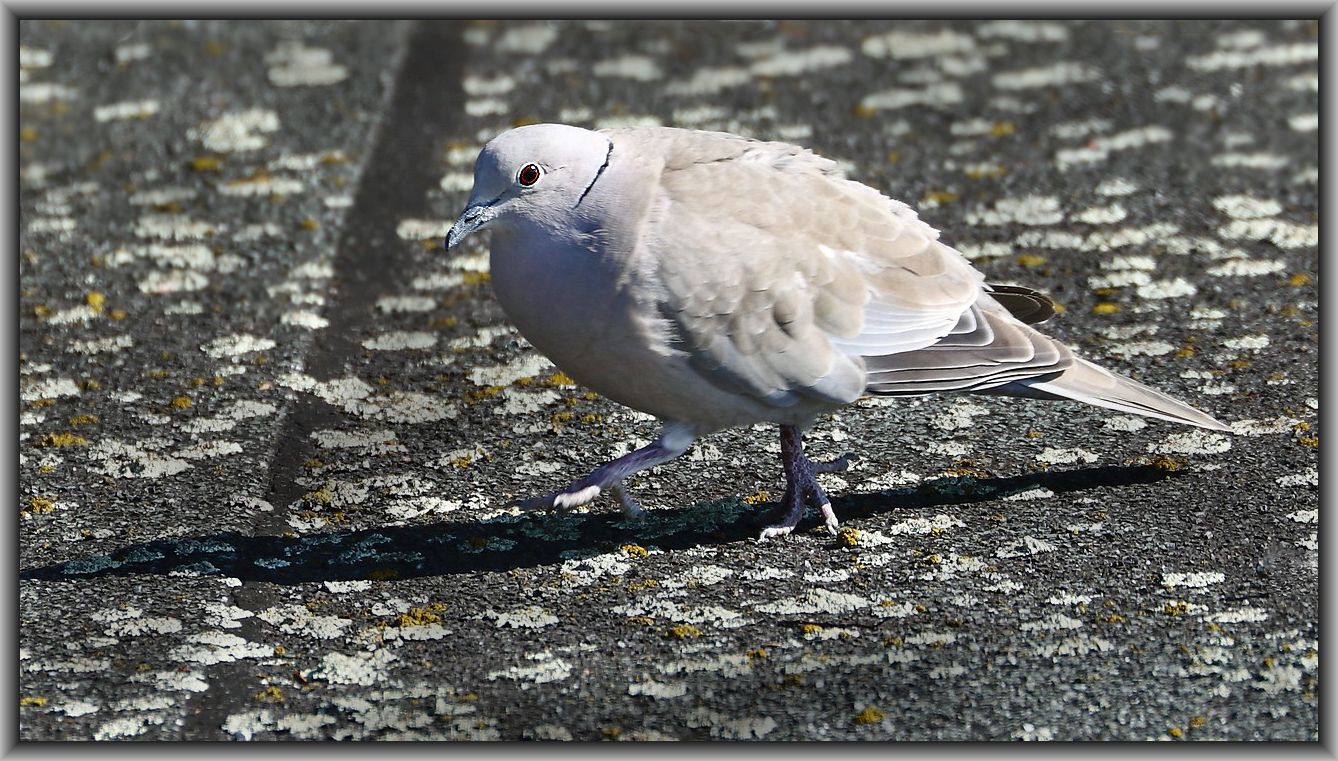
(714, 281)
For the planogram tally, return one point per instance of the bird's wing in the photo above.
(777, 276)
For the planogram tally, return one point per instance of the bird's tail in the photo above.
(1085, 382)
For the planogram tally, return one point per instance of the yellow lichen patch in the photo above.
(42, 310)
(559, 378)
(757, 497)
(756, 653)
(1030, 260)
(280, 650)
(1175, 608)
(117, 314)
(1176, 732)
(870, 715)
(486, 392)
(993, 173)
(1185, 351)
(205, 164)
(39, 505)
(1105, 307)
(334, 157)
(641, 620)
(1198, 720)
(88, 384)
(684, 631)
(430, 244)
(811, 628)
(181, 402)
(1308, 441)
(559, 419)
(270, 694)
(28, 134)
(940, 196)
(95, 301)
(1003, 129)
(308, 224)
(40, 403)
(847, 537)
(611, 733)
(419, 616)
(157, 374)
(312, 462)
(35, 701)
(78, 420)
(1033, 434)
(476, 278)
(1299, 279)
(634, 550)
(60, 440)
(862, 111)
(1113, 618)
(463, 461)
(322, 495)
(523, 121)
(893, 157)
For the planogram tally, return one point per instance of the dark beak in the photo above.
(471, 219)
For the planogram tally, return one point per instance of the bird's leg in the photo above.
(674, 440)
(801, 485)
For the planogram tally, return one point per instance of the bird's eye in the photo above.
(528, 175)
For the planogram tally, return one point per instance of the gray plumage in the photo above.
(714, 281)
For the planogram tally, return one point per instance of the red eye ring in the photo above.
(528, 175)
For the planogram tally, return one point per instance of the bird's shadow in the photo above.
(533, 539)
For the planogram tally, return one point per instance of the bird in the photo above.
(714, 280)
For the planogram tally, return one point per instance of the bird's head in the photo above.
(533, 175)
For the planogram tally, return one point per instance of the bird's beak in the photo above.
(474, 217)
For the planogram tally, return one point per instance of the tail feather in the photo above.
(1085, 382)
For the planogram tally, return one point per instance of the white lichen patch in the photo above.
(365, 669)
(261, 186)
(1116, 186)
(303, 318)
(1027, 545)
(1250, 161)
(910, 45)
(1252, 343)
(212, 647)
(960, 416)
(1308, 477)
(1124, 423)
(1192, 442)
(817, 601)
(1239, 616)
(1101, 215)
(130, 109)
(296, 619)
(1066, 456)
(526, 366)
(531, 617)
(294, 64)
(1246, 207)
(546, 668)
(237, 131)
(406, 304)
(400, 340)
(1280, 55)
(1053, 75)
(1142, 348)
(51, 388)
(940, 94)
(1051, 623)
(237, 345)
(658, 690)
(1192, 579)
(1247, 267)
(1254, 427)
(118, 459)
(728, 726)
(1167, 289)
(796, 62)
(1279, 232)
(1024, 210)
(1099, 149)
